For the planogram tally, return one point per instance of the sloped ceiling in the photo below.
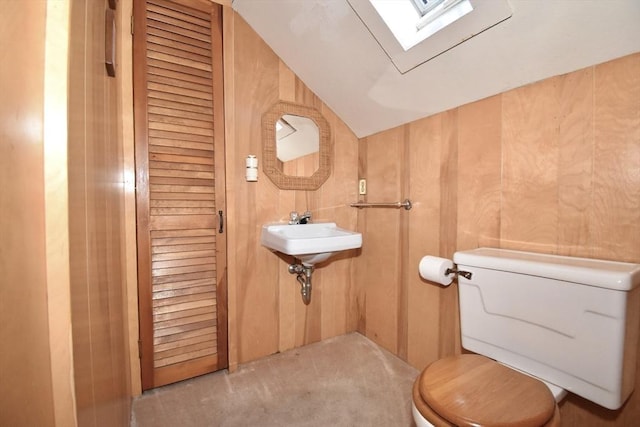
(326, 44)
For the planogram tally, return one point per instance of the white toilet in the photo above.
(538, 325)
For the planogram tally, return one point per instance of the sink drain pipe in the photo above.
(304, 278)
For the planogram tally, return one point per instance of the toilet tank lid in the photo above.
(620, 276)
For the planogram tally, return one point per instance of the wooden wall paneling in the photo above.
(575, 172)
(288, 297)
(530, 167)
(287, 82)
(339, 190)
(479, 173)
(478, 198)
(309, 317)
(423, 311)
(616, 186)
(96, 226)
(309, 321)
(359, 297)
(57, 210)
(269, 315)
(611, 209)
(306, 96)
(26, 368)
(289, 315)
(403, 248)
(78, 226)
(615, 219)
(98, 212)
(257, 268)
(305, 317)
(449, 320)
(104, 206)
(550, 167)
(381, 275)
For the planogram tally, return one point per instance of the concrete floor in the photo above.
(343, 381)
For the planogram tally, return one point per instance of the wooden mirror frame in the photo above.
(273, 167)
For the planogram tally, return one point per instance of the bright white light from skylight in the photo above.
(407, 24)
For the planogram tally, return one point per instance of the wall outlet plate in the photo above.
(362, 187)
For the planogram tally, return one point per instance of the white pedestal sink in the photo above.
(310, 243)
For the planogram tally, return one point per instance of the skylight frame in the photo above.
(425, 6)
(442, 14)
(485, 15)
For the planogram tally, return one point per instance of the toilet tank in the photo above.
(572, 322)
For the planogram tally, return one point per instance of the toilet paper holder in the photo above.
(466, 274)
(440, 270)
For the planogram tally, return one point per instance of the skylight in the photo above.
(412, 21)
(412, 32)
(425, 6)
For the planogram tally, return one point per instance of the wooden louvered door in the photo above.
(180, 188)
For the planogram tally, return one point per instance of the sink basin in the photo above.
(310, 243)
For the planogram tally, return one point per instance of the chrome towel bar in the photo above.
(406, 203)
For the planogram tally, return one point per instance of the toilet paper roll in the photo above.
(251, 161)
(434, 269)
(252, 174)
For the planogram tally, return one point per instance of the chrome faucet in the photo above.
(296, 218)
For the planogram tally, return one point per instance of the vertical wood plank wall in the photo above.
(551, 167)
(266, 313)
(44, 300)
(25, 363)
(96, 227)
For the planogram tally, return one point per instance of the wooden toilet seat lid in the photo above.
(472, 390)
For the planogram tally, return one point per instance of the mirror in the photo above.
(296, 143)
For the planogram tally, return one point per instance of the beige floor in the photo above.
(343, 381)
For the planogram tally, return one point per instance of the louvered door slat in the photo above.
(170, 353)
(155, 35)
(187, 73)
(166, 142)
(186, 356)
(182, 119)
(172, 112)
(171, 12)
(180, 50)
(177, 74)
(170, 127)
(172, 41)
(160, 90)
(181, 314)
(177, 345)
(171, 158)
(159, 134)
(161, 19)
(184, 10)
(185, 84)
(182, 174)
(180, 151)
(209, 303)
(179, 44)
